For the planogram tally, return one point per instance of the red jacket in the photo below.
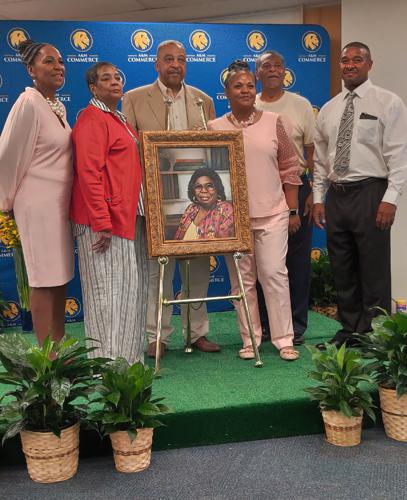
(107, 174)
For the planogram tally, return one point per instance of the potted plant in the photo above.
(122, 407)
(44, 382)
(386, 348)
(323, 295)
(340, 374)
(3, 306)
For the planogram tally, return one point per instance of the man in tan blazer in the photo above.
(145, 108)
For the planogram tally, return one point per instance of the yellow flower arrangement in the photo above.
(8, 231)
(10, 238)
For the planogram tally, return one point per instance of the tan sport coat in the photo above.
(144, 107)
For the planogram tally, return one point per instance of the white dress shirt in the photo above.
(178, 109)
(378, 145)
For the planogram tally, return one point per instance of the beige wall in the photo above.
(329, 16)
(382, 26)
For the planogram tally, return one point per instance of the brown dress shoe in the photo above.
(152, 348)
(204, 345)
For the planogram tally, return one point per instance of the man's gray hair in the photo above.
(266, 55)
(170, 42)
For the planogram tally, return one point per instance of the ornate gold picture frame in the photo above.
(196, 193)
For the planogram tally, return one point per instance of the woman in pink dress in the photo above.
(272, 171)
(36, 178)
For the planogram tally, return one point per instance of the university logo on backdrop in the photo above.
(213, 264)
(200, 40)
(10, 312)
(81, 40)
(220, 96)
(315, 109)
(142, 40)
(256, 41)
(289, 78)
(311, 41)
(223, 75)
(15, 36)
(72, 308)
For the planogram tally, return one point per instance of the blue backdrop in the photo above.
(132, 47)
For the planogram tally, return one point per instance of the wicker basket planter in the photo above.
(132, 456)
(51, 459)
(394, 413)
(342, 430)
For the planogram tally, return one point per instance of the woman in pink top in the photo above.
(36, 178)
(272, 171)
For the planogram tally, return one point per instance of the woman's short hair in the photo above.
(28, 49)
(215, 178)
(92, 72)
(236, 67)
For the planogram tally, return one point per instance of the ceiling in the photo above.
(143, 10)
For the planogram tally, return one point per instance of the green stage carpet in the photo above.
(220, 398)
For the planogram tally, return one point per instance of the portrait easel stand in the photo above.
(163, 302)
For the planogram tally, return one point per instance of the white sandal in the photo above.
(289, 353)
(246, 353)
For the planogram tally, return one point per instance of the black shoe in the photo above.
(350, 342)
(298, 339)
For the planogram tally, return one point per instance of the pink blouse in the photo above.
(218, 223)
(271, 161)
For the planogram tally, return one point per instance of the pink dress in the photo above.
(36, 178)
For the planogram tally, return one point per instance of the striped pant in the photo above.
(114, 288)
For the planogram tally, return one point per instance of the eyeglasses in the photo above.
(208, 187)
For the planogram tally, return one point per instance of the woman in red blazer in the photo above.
(108, 215)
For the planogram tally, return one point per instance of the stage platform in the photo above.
(219, 398)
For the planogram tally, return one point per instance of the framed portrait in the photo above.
(196, 193)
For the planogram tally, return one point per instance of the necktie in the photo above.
(342, 156)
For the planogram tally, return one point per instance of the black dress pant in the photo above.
(299, 269)
(359, 253)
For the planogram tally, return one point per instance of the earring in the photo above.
(194, 199)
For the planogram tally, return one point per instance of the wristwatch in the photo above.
(294, 211)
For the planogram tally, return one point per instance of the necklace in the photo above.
(56, 106)
(243, 123)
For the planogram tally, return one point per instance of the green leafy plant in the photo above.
(3, 306)
(386, 348)
(322, 291)
(42, 389)
(122, 401)
(340, 373)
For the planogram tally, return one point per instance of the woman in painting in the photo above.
(209, 216)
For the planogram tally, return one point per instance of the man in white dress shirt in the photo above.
(360, 169)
